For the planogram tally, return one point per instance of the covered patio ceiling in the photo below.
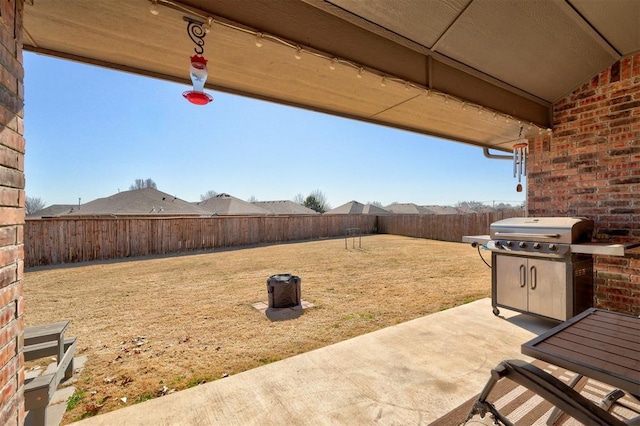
(473, 71)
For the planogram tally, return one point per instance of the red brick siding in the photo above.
(590, 167)
(11, 214)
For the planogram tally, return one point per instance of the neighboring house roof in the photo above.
(373, 209)
(407, 208)
(53, 210)
(139, 202)
(284, 207)
(442, 209)
(354, 207)
(226, 205)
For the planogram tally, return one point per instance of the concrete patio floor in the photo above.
(408, 374)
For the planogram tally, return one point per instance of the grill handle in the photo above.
(526, 235)
(534, 277)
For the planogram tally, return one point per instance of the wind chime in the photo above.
(198, 68)
(520, 151)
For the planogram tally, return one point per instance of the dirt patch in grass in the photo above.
(153, 325)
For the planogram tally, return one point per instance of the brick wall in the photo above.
(11, 213)
(590, 167)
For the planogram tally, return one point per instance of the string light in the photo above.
(154, 8)
(207, 27)
(333, 61)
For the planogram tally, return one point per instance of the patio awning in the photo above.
(474, 71)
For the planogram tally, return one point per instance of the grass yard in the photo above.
(150, 326)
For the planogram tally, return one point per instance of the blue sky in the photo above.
(91, 132)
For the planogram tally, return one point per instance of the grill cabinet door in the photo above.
(547, 287)
(511, 281)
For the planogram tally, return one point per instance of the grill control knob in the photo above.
(536, 246)
(522, 244)
(509, 243)
(553, 247)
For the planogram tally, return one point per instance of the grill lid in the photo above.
(567, 230)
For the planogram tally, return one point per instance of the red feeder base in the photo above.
(197, 98)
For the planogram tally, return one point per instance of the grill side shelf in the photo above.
(479, 239)
(605, 249)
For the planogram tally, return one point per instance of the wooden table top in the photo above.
(602, 345)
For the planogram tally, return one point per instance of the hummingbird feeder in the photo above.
(198, 68)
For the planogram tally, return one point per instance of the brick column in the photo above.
(11, 213)
(591, 167)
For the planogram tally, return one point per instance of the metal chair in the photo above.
(567, 399)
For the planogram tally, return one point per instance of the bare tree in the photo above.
(209, 194)
(470, 205)
(375, 203)
(143, 183)
(33, 204)
(317, 201)
(252, 199)
(322, 199)
(298, 199)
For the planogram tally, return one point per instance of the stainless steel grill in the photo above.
(543, 265)
(539, 236)
(534, 269)
(559, 229)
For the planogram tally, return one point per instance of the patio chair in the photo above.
(567, 399)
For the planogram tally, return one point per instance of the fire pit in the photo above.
(283, 291)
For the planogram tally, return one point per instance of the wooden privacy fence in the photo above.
(450, 227)
(64, 240)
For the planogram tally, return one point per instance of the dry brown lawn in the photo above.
(152, 325)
